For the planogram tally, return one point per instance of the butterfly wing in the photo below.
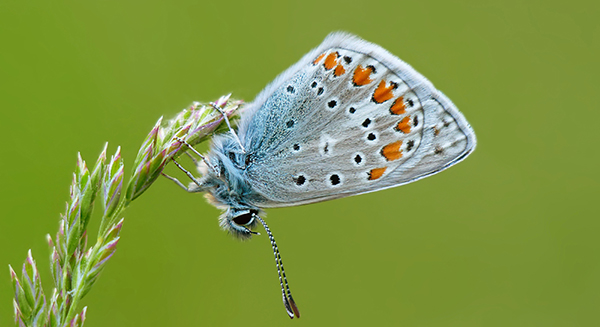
(348, 118)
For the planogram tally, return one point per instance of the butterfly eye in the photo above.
(244, 219)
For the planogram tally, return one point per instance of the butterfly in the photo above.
(348, 118)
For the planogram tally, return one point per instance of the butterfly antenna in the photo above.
(288, 301)
(226, 119)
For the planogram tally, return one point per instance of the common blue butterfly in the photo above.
(348, 118)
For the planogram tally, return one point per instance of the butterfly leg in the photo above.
(176, 181)
(213, 168)
(191, 189)
(194, 159)
(180, 140)
(226, 119)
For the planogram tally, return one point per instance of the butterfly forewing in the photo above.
(345, 121)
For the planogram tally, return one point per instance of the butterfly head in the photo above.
(227, 189)
(238, 218)
(239, 222)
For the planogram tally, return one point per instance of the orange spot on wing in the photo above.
(376, 173)
(331, 60)
(362, 76)
(383, 93)
(398, 107)
(404, 125)
(392, 151)
(339, 70)
(319, 58)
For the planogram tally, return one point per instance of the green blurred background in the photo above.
(507, 238)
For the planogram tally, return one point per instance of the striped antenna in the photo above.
(288, 301)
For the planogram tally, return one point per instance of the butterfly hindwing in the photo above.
(348, 118)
